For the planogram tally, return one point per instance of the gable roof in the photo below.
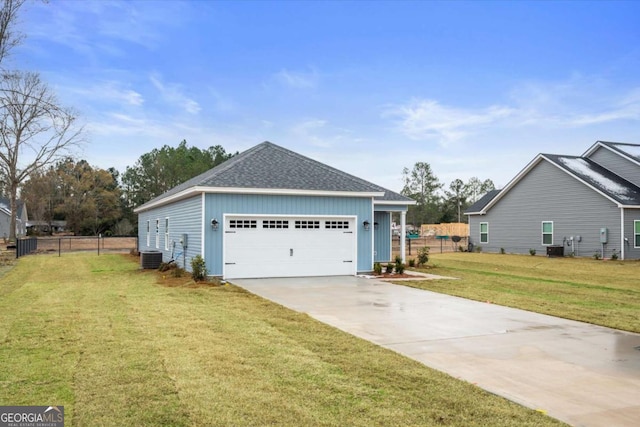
(5, 204)
(270, 169)
(478, 206)
(602, 180)
(629, 151)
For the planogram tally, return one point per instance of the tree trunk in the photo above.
(14, 211)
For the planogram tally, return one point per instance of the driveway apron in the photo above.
(582, 374)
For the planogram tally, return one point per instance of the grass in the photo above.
(119, 346)
(604, 293)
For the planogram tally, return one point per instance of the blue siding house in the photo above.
(270, 212)
(566, 205)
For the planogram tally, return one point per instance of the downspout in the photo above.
(373, 234)
(622, 233)
(203, 229)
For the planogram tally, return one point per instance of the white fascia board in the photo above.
(396, 202)
(620, 153)
(593, 148)
(189, 192)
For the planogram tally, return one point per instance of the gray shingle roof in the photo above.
(482, 202)
(269, 166)
(602, 179)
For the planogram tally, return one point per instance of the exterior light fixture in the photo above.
(366, 224)
(214, 224)
(375, 225)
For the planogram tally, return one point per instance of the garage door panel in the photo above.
(305, 248)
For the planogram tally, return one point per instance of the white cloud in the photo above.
(578, 102)
(298, 79)
(429, 120)
(173, 94)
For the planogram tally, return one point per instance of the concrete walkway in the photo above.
(582, 374)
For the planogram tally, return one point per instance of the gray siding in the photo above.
(185, 217)
(617, 164)
(382, 237)
(548, 194)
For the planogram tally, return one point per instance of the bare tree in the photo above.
(9, 37)
(35, 130)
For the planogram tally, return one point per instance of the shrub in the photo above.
(377, 268)
(423, 256)
(412, 263)
(198, 268)
(596, 255)
(614, 255)
(177, 272)
(532, 252)
(389, 268)
(502, 251)
(478, 249)
(398, 259)
(400, 267)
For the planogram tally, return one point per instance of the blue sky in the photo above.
(473, 88)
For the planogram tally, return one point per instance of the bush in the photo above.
(377, 268)
(166, 266)
(502, 251)
(478, 249)
(412, 263)
(389, 268)
(398, 259)
(596, 256)
(614, 255)
(400, 267)
(423, 256)
(198, 268)
(532, 252)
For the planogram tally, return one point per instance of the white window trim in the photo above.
(635, 234)
(148, 233)
(543, 233)
(166, 234)
(481, 233)
(158, 233)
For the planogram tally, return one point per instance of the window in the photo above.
(166, 234)
(148, 233)
(157, 233)
(307, 224)
(243, 223)
(274, 223)
(636, 233)
(484, 232)
(336, 224)
(547, 232)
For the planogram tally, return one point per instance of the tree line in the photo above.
(436, 203)
(95, 201)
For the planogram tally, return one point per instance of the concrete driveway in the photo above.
(582, 374)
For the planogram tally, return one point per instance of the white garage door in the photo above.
(289, 246)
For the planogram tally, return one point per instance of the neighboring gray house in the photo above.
(270, 212)
(576, 205)
(5, 218)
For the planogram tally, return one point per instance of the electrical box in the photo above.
(603, 235)
(184, 240)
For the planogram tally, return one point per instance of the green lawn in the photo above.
(117, 348)
(601, 292)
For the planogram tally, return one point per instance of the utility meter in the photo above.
(603, 235)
